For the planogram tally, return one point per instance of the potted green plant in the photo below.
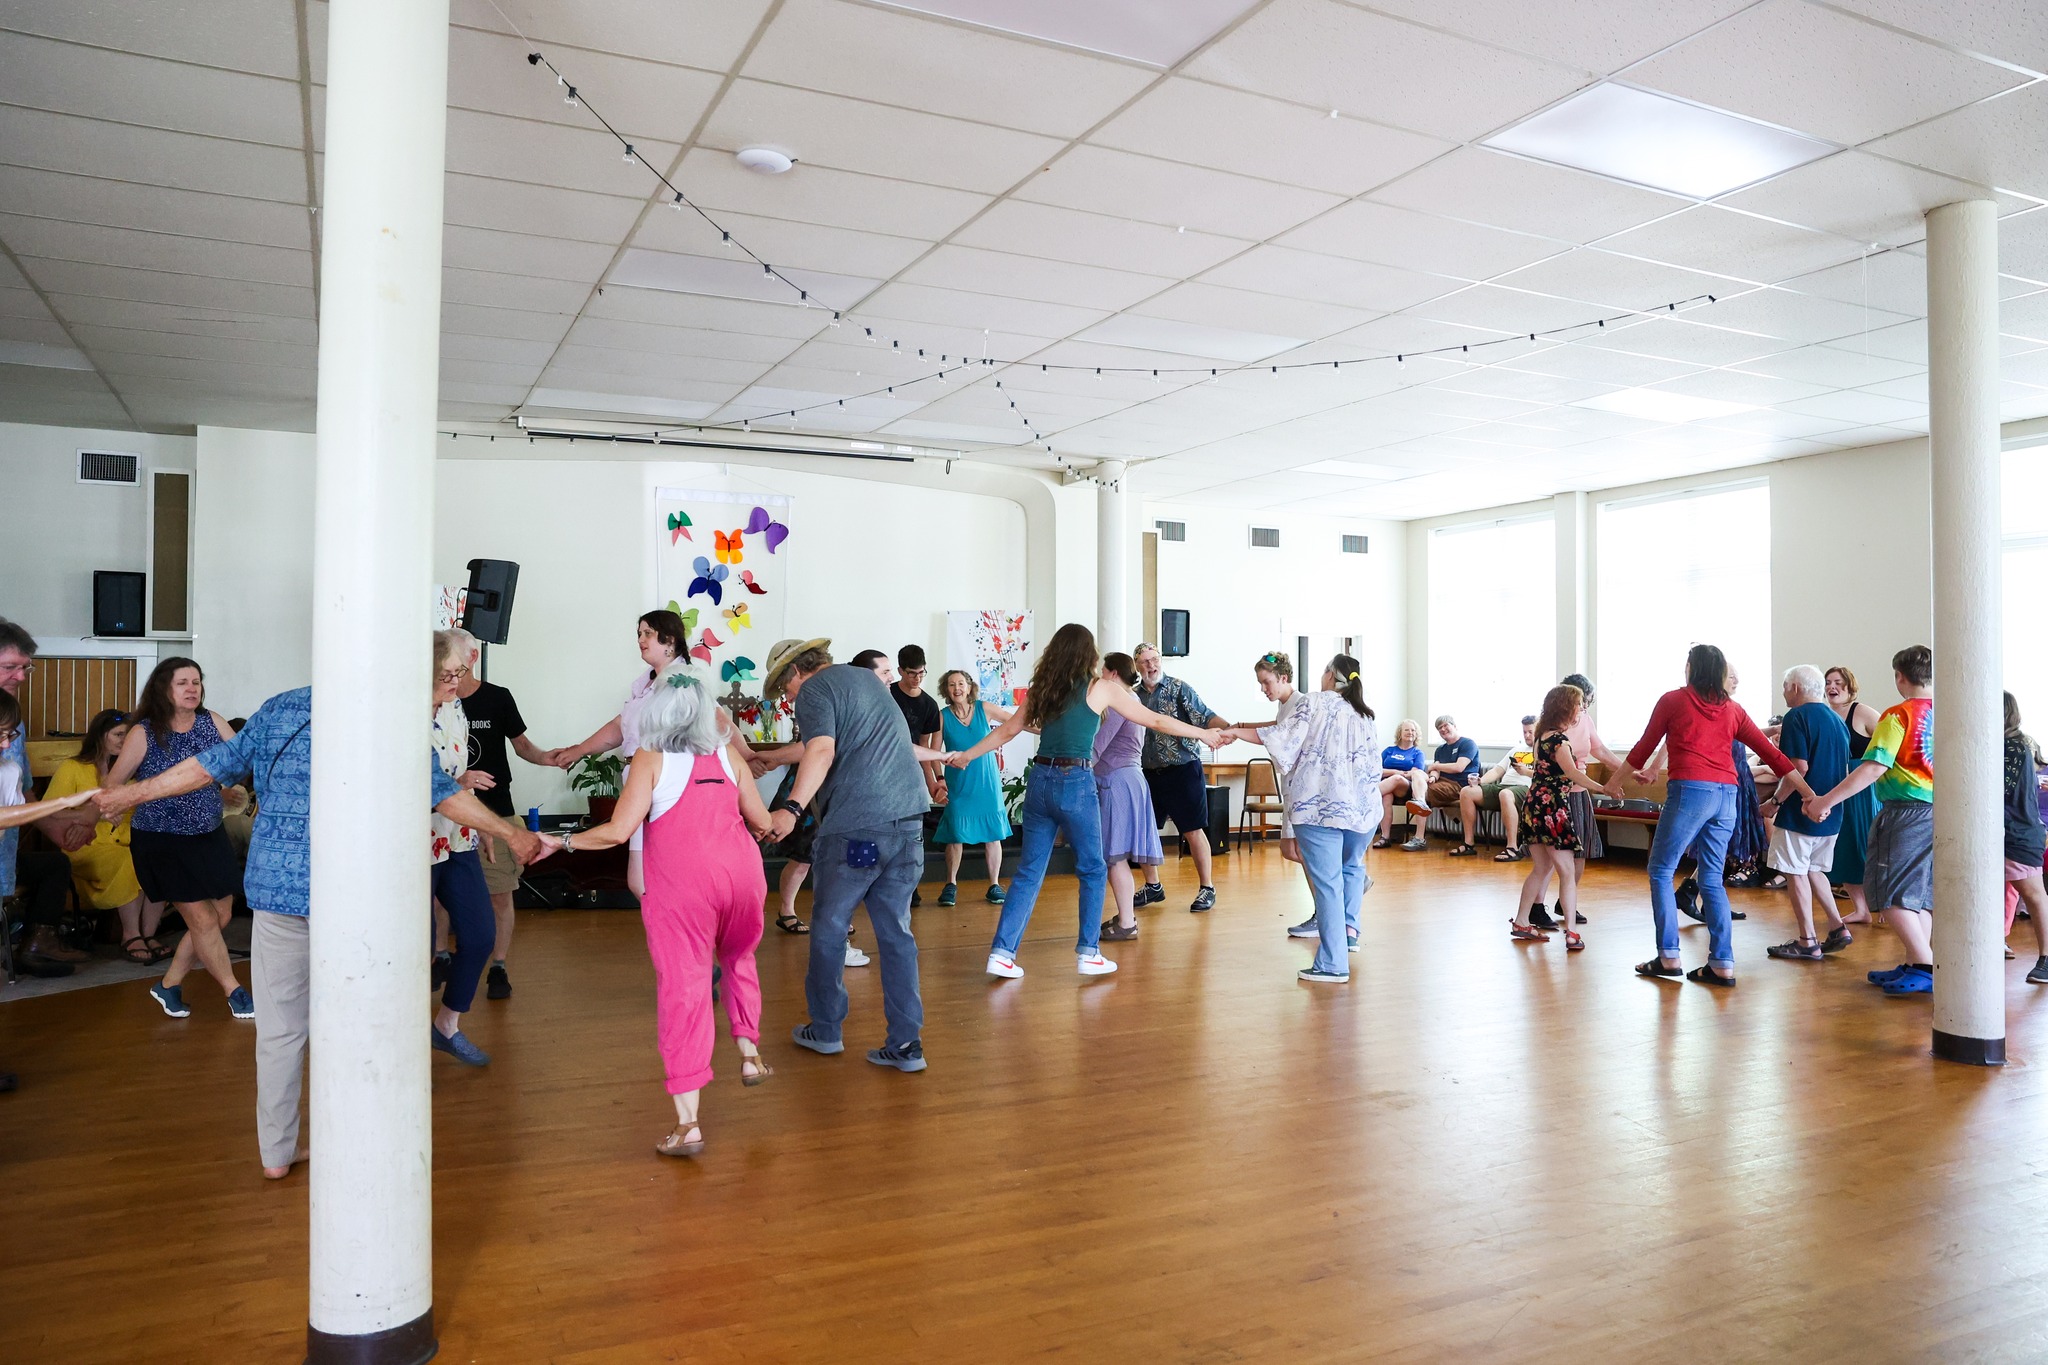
(598, 778)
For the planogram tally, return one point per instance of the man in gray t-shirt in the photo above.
(870, 842)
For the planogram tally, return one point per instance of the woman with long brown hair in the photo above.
(1548, 831)
(1859, 810)
(1064, 708)
(103, 872)
(182, 854)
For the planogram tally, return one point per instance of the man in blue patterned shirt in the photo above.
(1173, 772)
(274, 752)
(43, 878)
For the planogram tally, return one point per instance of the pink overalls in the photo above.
(705, 892)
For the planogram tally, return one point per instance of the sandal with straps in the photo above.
(790, 924)
(762, 1071)
(677, 1143)
(1574, 943)
(1526, 933)
(1655, 967)
(145, 954)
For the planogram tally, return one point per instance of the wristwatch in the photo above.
(793, 806)
(568, 845)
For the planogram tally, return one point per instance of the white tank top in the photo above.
(675, 775)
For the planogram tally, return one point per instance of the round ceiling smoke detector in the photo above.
(766, 160)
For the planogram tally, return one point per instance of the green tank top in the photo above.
(1070, 734)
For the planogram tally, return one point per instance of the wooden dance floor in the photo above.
(1478, 1150)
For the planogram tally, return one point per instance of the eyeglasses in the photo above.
(909, 673)
(451, 676)
(24, 669)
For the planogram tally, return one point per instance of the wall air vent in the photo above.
(109, 466)
(1354, 545)
(1172, 530)
(1265, 537)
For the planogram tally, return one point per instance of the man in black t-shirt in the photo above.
(921, 713)
(494, 725)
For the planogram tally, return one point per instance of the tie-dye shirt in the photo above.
(1904, 742)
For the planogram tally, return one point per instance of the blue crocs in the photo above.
(1912, 981)
(1886, 977)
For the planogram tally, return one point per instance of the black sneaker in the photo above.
(497, 985)
(916, 897)
(909, 1057)
(1151, 893)
(2039, 976)
(437, 974)
(1689, 898)
(1205, 899)
(1540, 917)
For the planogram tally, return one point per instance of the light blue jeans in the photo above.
(835, 890)
(1060, 799)
(1335, 861)
(1702, 811)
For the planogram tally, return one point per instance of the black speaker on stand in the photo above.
(117, 602)
(487, 607)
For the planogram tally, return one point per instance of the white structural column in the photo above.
(1112, 556)
(372, 1170)
(1574, 600)
(1962, 386)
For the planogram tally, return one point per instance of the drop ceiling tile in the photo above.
(262, 39)
(475, 412)
(1911, 389)
(1995, 143)
(1591, 35)
(489, 73)
(1725, 242)
(1856, 405)
(801, 246)
(1333, 279)
(517, 253)
(1231, 130)
(1737, 386)
(1794, 318)
(1523, 385)
(1831, 367)
(1680, 339)
(738, 279)
(1098, 179)
(1895, 281)
(39, 331)
(1208, 305)
(1030, 277)
(184, 319)
(944, 68)
(875, 139)
(916, 303)
(1853, 438)
(819, 194)
(208, 377)
(151, 156)
(116, 282)
(42, 237)
(1810, 69)
(594, 403)
(1511, 310)
(99, 83)
(1776, 425)
(1380, 233)
(650, 339)
(709, 34)
(1338, 57)
(154, 208)
(1483, 186)
(511, 324)
(1905, 342)
(634, 367)
(2012, 33)
(2025, 317)
(492, 290)
(547, 154)
(562, 378)
(2023, 246)
(508, 206)
(501, 350)
(502, 395)
(1855, 195)
(1610, 281)
(1572, 361)
(231, 349)
(457, 371)
(1096, 239)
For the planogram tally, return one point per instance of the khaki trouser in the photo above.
(280, 966)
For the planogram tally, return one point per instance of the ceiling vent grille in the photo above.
(108, 466)
(1265, 537)
(1354, 545)
(1172, 530)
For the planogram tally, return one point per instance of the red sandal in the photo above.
(1574, 943)
(1526, 933)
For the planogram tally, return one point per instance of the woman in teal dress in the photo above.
(974, 794)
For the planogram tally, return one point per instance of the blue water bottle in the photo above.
(533, 818)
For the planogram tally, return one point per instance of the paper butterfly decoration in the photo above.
(747, 577)
(678, 527)
(728, 546)
(689, 620)
(767, 527)
(741, 667)
(681, 680)
(710, 580)
(705, 644)
(736, 617)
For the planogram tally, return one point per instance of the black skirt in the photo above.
(185, 867)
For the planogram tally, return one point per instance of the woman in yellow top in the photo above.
(102, 871)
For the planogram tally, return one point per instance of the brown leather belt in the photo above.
(1064, 762)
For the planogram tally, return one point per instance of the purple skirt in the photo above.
(1129, 830)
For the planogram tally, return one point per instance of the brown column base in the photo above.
(409, 1343)
(1950, 1047)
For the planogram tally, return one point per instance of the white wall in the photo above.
(58, 530)
(252, 572)
(1243, 602)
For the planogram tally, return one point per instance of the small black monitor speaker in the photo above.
(117, 597)
(1173, 633)
(487, 611)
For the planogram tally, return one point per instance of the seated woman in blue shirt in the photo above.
(1403, 781)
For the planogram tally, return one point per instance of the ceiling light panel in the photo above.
(1156, 34)
(1655, 140)
(1661, 405)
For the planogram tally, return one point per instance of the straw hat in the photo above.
(779, 659)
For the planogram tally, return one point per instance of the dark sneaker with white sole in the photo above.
(2039, 976)
(1305, 929)
(1311, 974)
(909, 1057)
(172, 998)
(240, 1004)
(806, 1035)
(1205, 899)
(1151, 893)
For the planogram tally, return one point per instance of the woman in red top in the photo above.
(1698, 724)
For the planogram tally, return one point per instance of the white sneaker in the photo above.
(998, 965)
(855, 957)
(1095, 964)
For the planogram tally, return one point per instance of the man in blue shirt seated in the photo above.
(1456, 768)
(274, 752)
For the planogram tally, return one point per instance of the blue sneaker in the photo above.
(909, 1057)
(807, 1035)
(172, 998)
(458, 1046)
(240, 1005)
(1885, 978)
(1912, 981)
(996, 895)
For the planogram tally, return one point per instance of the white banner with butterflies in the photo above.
(723, 566)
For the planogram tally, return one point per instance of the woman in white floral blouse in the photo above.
(1329, 751)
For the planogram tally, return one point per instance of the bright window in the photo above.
(1492, 627)
(2025, 498)
(1674, 572)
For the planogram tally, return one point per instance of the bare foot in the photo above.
(280, 1172)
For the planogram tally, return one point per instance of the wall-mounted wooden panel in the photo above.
(63, 695)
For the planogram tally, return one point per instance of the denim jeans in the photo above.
(1057, 799)
(1702, 811)
(1335, 862)
(886, 887)
(458, 883)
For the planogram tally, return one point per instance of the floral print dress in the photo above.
(1546, 811)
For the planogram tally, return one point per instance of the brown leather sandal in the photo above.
(762, 1071)
(677, 1143)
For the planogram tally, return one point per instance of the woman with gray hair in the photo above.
(705, 884)
(458, 878)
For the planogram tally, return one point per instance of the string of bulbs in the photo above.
(950, 364)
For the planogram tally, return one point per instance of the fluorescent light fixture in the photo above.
(1661, 405)
(1654, 140)
(1142, 30)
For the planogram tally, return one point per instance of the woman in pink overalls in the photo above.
(705, 884)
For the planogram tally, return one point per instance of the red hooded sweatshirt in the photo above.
(1699, 737)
